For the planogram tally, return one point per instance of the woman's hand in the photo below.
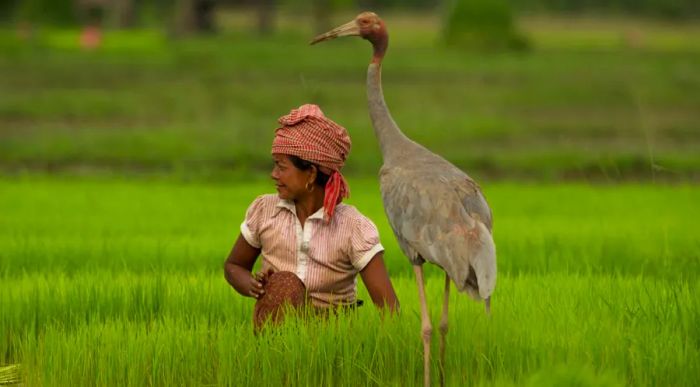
(257, 283)
(254, 286)
(247, 283)
(262, 276)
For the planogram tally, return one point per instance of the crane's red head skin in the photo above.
(366, 25)
(372, 28)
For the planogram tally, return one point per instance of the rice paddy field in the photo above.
(120, 282)
(125, 173)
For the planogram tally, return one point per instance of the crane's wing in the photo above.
(469, 194)
(431, 222)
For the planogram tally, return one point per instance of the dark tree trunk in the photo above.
(125, 15)
(195, 16)
(204, 15)
(266, 16)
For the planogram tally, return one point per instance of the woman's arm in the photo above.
(378, 284)
(238, 267)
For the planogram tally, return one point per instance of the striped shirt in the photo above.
(325, 256)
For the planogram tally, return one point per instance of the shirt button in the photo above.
(305, 246)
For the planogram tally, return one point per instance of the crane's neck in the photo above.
(380, 42)
(392, 141)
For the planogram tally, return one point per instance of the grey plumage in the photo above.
(437, 212)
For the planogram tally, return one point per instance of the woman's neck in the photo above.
(309, 203)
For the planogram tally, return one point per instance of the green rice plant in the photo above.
(68, 225)
(10, 375)
(119, 282)
(633, 330)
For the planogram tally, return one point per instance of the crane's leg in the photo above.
(443, 329)
(487, 306)
(426, 326)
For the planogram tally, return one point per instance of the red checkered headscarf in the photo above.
(309, 135)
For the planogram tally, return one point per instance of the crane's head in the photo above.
(366, 25)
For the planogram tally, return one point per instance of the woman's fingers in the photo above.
(263, 275)
(256, 288)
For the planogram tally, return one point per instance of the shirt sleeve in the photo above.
(250, 228)
(365, 243)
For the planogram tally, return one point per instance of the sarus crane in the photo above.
(436, 211)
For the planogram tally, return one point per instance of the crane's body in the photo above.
(437, 212)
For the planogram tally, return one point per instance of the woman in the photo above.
(305, 229)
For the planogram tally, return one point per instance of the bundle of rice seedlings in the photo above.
(10, 375)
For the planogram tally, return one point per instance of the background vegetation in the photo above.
(611, 99)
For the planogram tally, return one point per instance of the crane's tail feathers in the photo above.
(480, 279)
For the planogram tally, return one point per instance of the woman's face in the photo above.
(290, 181)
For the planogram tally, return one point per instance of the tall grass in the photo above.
(115, 282)
(135, 329)
(73, 225)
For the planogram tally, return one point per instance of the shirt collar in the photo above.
(289, 205)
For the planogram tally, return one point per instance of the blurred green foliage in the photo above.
(588, 101)
(678, 9)
(54, 12)
(64, 12)
(482, 24)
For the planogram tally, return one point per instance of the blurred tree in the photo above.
(55, 12)
(107, 13)
(204, 15)
(482, 24)
(155, 12)
(91, 11)
(674, 9)
(7, 9)
(266, 16)
(194, 16)
(678, 9)
(124, 13)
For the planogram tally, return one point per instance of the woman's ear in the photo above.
(313, 174)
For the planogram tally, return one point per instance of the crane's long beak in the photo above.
(347, 29)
